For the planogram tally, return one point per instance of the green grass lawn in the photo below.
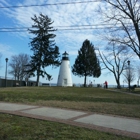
(21, 128)
(136, 91)
(85, 99)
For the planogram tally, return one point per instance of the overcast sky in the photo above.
(66, 14)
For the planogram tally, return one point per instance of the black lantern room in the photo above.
(65, 56)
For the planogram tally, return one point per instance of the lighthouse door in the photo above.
(65, 82)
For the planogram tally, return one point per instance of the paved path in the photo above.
(107, 123)
(130, 93)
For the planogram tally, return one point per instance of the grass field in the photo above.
(136, 91)
(86, 99)
(21, 128)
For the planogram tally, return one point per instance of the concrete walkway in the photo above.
(107, 123)
(130, 93)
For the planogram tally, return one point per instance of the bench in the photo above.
(45, 84)
(132, 88)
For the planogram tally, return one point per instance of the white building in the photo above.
(64, 77)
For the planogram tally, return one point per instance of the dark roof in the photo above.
(65, 53)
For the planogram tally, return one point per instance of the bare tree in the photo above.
(138, 73)
(123, 19)
(18, 66)
(115, 60)
(129, 76)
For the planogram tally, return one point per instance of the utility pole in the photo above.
(6, 59)
(129, 74)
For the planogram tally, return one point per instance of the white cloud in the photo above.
(6, 50)
(62, 15)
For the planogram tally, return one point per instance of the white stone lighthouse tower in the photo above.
(64, 77)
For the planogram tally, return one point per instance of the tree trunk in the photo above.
(118, 84)
(85, 79)
(117, 78)
(37, 81)
(138, 81)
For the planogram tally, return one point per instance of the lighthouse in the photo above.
(64, 77)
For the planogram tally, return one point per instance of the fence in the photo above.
(10, 82)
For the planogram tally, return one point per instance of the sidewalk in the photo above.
(107, 123)
(130, 93)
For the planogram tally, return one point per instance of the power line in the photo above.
(14, 27)
(62, 29)
(80, 28)
(70, 26)
(70, 29)
(103, 24)
(66, 3)
(14, 31)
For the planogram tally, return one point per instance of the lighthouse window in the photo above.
(65, 81)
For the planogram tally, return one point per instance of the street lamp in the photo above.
(94, 83)
(123, 83)
(6, 59)
(129, 74)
